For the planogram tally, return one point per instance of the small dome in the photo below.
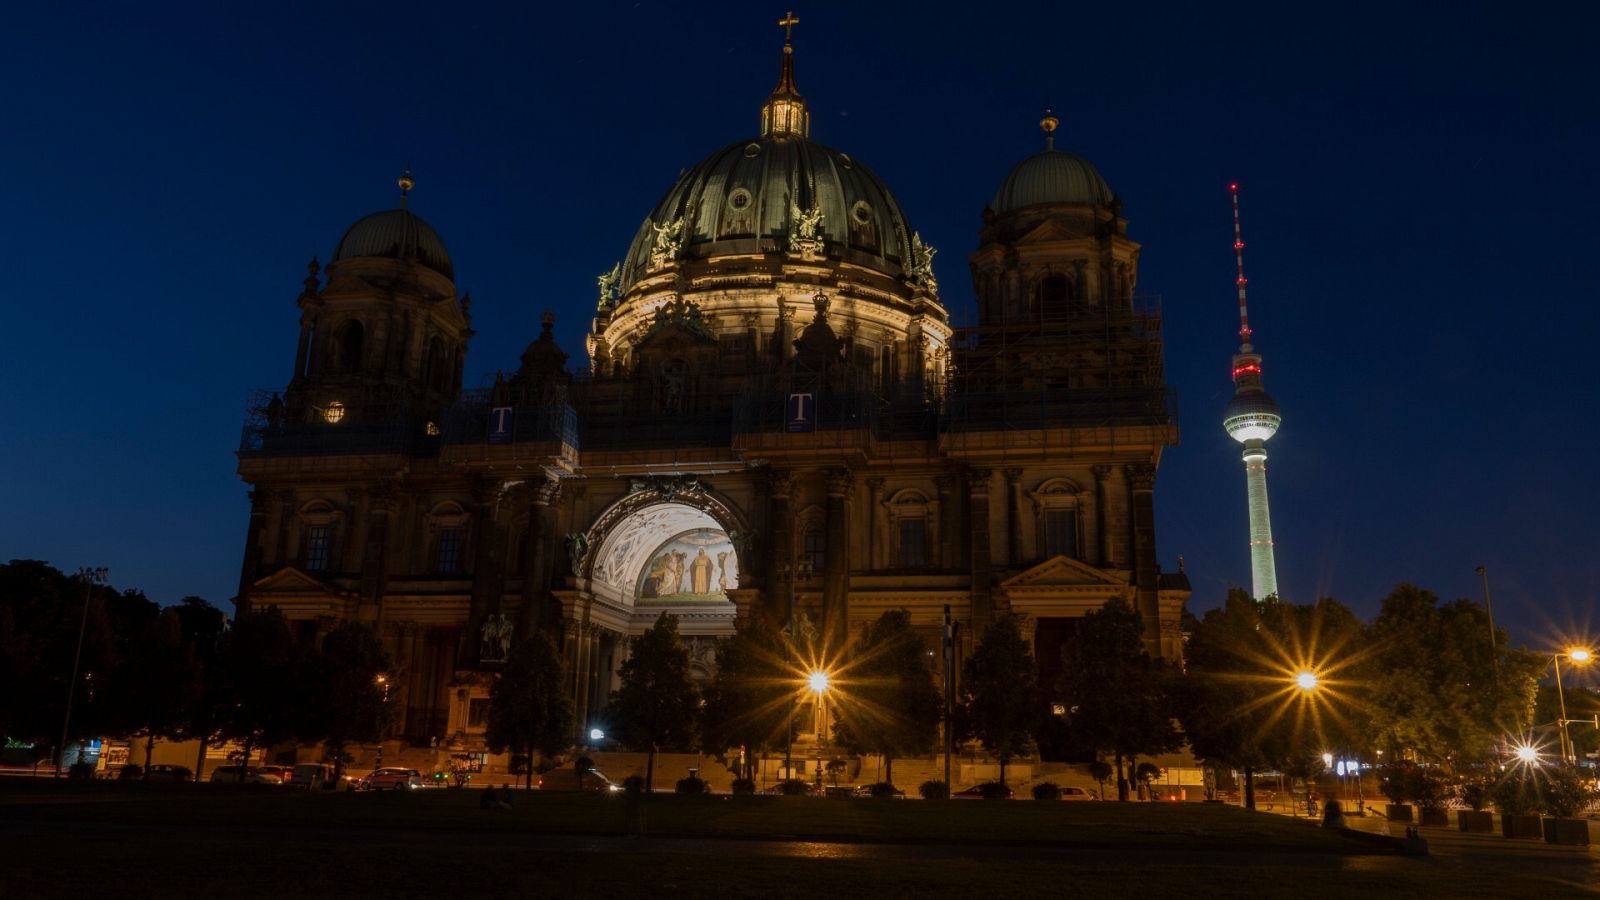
(396, 234)
(1051, 177)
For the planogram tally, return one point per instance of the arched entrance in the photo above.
(668, 546)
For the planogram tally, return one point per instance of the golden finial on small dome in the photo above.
(406, 184)
(1049, 124)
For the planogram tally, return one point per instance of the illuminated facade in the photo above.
(1252, 419)
(777, 418)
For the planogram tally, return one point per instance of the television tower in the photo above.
(1251, 419)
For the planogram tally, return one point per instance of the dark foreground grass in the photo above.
(195, 842)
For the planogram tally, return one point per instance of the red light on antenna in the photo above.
(1234, 187)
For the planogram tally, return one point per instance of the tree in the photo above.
(657, 703)
(999, 689)
(156, 683)
(348, 690)
(1442, 687)
(528, 705)
(262, 683)
(203, 627)
(749, 701)
(1119, 700)
(890, 704)
(1242, 707)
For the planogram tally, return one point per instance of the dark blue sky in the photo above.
(1418, 189)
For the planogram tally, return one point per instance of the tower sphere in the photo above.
(1251, 416)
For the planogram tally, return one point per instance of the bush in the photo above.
(744, 786)
(1513, 794)
(884, 790)
(794, 787)
(1393, 781)
(934, 790)
(993, 790)
(692, 785)
(130, 772)
(1567, 794)
(1474, 793)
(83, 770)
(1047, 790)
(633, 785)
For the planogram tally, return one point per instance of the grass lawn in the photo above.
(134, 841)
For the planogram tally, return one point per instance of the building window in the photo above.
(317, 540)
(1061, 533)
(478, 712)
(913, 543)
(815, 551)
(447, 556)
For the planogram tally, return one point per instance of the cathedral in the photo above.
(776, 418)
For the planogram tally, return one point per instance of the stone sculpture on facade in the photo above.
(494, 643)
(608, 282)
(668, 242)
(805, 231)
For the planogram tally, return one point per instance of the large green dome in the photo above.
(744, 197)
(1052, 176)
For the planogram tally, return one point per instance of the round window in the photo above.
(752, 149)
(861, 212)
(844, 160)
(739, 199)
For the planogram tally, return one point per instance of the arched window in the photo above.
(350, 338)
(1055, 291)
(433, 366)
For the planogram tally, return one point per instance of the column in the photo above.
(1142, 483)
(375, 553)
(878, 539)
(536, 615)
(250, 570)
(780, 560)
(1014, 517)
(949, 522)
(303, 348)
(487, 579)
(583, 660)
(1102, 534)
(982, 610)
(836, 582)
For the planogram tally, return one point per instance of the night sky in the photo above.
(1419, 208)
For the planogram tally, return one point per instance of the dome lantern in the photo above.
(785, 111)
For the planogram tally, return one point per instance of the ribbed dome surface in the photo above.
(741, 198)
(1051, 177)
(396, 234)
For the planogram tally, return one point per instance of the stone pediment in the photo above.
(1051, 231)
(676, 336)
(291, 580)
(1061, 572)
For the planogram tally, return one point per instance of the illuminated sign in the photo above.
(800, 414)
(500, 423)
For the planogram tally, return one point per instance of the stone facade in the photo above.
(777, 419)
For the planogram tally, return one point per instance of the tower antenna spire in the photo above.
(1238, 257)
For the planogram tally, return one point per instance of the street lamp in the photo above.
(1577, 656)
(1306, 680)
(382, 681)
(818, 682)
(90, 578)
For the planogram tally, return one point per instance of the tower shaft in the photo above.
(1263, 567)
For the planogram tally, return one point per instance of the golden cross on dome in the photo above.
(788, 22)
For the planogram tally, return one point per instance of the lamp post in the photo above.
(818, 682)
(1578, 656)
(383, 682)
(90, 578)
(1494, 638)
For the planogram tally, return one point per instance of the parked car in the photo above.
(989, 791)
(596, 780)
(311, 775)
(391, 778)
(865, 790)
(1075, 793)
(165, 772)
(283, 772)
(252, 775)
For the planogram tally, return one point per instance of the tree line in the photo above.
(180, 673)
(1425, 679)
